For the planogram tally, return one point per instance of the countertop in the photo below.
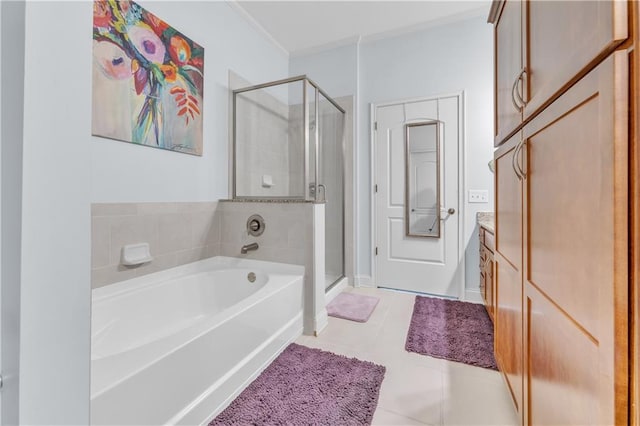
(486, 220)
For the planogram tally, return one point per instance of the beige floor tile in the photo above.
(413, 391)
(313, 342)
(460, 369)
(387, 418)
(470, 400)
(417, 389)
(361, 336)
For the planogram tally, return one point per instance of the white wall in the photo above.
(55, 289)
(65, 170)
(335, 70)
(11, 116)
(443, 59)
(123, 172)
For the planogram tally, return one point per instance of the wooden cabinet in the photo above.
(487, 270)
(562, 209)
(508, 66)
(544, 47)
(575, 269)
(563, 40)
(508, 270)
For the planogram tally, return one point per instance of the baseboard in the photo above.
(473, 296)
(336, 290)
(322, 320)
(364, 281)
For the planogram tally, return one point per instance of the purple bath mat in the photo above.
(305, 386)
(453, 330)
(351, 306)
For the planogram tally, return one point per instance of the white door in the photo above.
(421, 264)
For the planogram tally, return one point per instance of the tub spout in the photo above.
(248, 247)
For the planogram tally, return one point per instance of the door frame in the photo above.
(462, 181)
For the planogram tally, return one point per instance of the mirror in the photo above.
(422, 180)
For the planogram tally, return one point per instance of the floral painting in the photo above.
(147, 79)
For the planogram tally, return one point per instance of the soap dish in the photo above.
(136, 254)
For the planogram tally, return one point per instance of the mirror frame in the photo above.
(407, 127)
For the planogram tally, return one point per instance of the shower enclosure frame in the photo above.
(306, 84)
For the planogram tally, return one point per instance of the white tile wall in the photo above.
(287, 235)
(262, 143)
(177, 233)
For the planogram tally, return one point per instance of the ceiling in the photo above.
(300, 26)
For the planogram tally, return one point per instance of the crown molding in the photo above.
(353, 40)
(358, 39)
(235, 5)
(474, 13)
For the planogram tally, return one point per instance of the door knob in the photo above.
(451, 210)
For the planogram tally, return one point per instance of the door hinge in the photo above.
(375, 188)
(375, 125)
(376, 251)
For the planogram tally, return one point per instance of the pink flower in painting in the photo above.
(101, 14)
(147, 43)
(113, 61)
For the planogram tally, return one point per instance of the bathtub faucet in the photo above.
(248, 247)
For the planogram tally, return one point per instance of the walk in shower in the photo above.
(288, 146)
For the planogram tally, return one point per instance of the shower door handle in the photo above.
(324, 192)
(312, 191)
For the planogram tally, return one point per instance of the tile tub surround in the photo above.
(178, 233)
(287, 238)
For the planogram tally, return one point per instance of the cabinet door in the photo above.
(508, 237)
(508, 270)
(488, 285)
(508, 63)
(563, 38)
(508, 328)
(576, 269)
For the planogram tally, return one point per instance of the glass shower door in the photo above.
(331, 167)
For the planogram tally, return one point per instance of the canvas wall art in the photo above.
(147, 79)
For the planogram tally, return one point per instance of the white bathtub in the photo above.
(176, 346)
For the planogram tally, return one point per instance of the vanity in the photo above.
(486, 227)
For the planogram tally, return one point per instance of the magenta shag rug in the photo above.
(354, 307)
(452, 330)
(305, 386)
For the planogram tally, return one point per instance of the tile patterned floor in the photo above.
(417, 389)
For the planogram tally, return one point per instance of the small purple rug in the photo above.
(305, 386)
(351, 306)
(453, 330)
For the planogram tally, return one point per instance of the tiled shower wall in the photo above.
(262, 144)
(178, 233)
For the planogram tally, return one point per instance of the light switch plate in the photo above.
(478, 196)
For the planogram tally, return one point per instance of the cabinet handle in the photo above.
(519, 97)
(513, 95)
(514, 159)
(523, 173)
